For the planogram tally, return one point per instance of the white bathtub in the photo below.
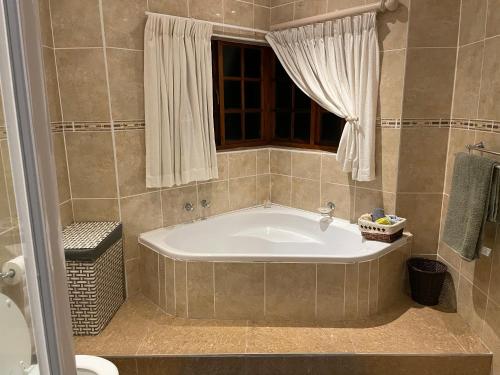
(277, 234)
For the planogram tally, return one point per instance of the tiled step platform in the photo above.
(411, 340)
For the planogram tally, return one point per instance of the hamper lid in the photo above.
(89, 240)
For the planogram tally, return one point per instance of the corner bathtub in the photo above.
(275, 263)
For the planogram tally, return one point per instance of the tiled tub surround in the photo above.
(274, 291)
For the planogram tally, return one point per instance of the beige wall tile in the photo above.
(306, 165)
(422, 160)
(266, 3)
(5, 216)
(45, 23)
(131, 162)
(473, 17)
(263, 161)
(124, 22)
(66, 213)
(309, 8)
(283, 13)
(334, 5)
(59, 151)
(434, 23)
(423, 214)
(281, 189)
(133, 277)
(162, 292)
(242, 193)
(242, 164)
(262, 17)
(449, 255)
(76, 23)
(364, 289)
(210, 10)
(290, 291)
(82, 84)
(275, 3)
(342, 196)
(493, 18)
(222, 165)
(281, 162)
(172, 7)
(305, 194)
(351, 291)
(239, 291)
(429, 82)
(386, 160)
(471, 304)
(367, 200)
(91, 164)
(392, 269)
(263, 188)
(491, 334)
(331, 284)
(126, 83)
(51, 85)
(374, 276)
(458, 139)
(140, 214)
(169, 284)
(392, 27)
(218, 195)
(391, 83)
(173, 201)
(467, 81)
(96, 209)
(494, 292)
(149, 274)
(331, 171)
(200, 284)
(180, 288)
(490, 85)
(238, 13)
(4, 148)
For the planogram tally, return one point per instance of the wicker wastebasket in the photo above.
(95, 274)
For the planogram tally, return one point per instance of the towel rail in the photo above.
(481, 148)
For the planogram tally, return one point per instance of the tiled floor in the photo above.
(140, 328)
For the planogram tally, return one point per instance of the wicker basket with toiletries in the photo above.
(384, 229)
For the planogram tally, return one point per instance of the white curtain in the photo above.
(180, 142)
(336, 63)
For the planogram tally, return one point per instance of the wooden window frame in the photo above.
(267, 110)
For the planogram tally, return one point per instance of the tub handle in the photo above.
(205, 203)
(188, 206)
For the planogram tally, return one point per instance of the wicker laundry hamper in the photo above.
(95, 274)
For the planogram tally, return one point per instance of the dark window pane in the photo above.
(252, 63)
(280, 73)
(252, 125)
(283, 121)
(302, 126)
(283, 95)
(233, 127)
(232, 61)
(331, 128)
(252, 95)
(232, 94)
(302, 101)
(217, 127)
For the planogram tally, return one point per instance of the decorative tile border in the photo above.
(3, 131)
(476, 124)
(90, 126)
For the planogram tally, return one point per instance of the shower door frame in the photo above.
(35, 184)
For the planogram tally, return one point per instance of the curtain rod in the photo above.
(220, 24)
(381, 6)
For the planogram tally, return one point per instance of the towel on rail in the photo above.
(471, 195)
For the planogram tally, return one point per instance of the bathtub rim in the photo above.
(189, 256)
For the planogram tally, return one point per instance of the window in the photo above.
(257, 103)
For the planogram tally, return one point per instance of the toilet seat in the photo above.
(15, 347)
(98, 365)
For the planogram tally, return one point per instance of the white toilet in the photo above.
(15, 347)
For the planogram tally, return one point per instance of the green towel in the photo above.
(494, 209)
(468, 207)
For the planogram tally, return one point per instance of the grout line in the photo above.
(113, 138)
